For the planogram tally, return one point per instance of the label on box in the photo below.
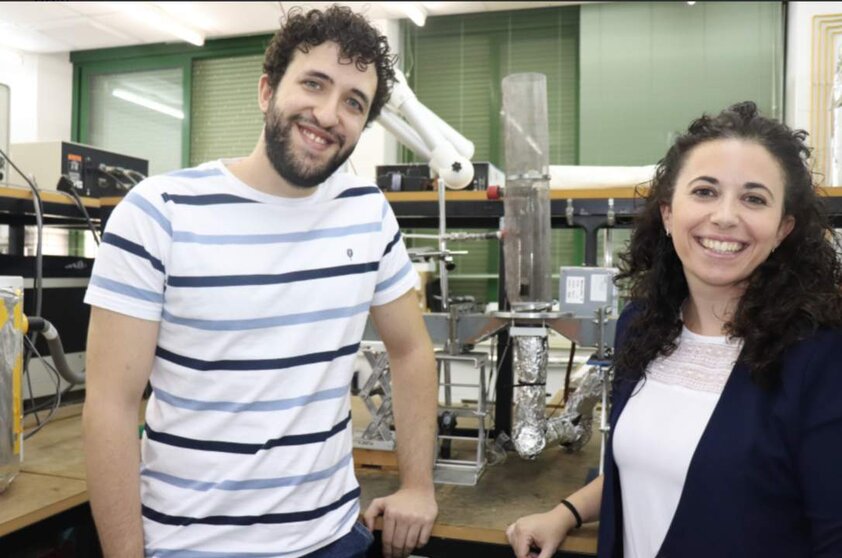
(574, 292)
(599, 288)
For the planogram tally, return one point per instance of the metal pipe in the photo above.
(530, 349)
(404, 132)
(442, 245)
(53, 339)
(456, 236)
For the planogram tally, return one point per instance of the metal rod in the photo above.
(442, 246)
(603, 414)
(481, 414)
(608, 247)
(448, 397)
(455, 236)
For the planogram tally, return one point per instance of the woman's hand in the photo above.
(540, 535)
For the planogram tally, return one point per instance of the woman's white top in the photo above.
(659, 429)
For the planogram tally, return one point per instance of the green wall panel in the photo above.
(648, 68)
(455, 64)
(225, 118)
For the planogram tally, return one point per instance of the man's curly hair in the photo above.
(359, 43)
(787, 297)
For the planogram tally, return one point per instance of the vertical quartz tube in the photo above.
(526, 221)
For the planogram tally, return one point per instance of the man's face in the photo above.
(316, 114)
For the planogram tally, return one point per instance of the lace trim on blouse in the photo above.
(699, 363)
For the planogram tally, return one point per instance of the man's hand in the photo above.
(408, 517)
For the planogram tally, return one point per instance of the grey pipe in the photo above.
(51, 335)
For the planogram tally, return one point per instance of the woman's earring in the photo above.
(668, 233)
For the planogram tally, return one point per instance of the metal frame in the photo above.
(462, 471)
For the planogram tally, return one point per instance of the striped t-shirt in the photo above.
(262, 303)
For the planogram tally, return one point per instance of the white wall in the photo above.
(799, 39)
(41, 96)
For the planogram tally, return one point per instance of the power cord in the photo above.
(56, 398)
(70, 191)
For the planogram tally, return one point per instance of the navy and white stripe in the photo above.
(224, 446)
(205, 199)
(272, 279)
(251, 365)
(262, 302)
(133, 248)
(251, 484)
(271, 518)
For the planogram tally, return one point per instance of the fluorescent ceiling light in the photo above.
(413, 11)
(191, 12)
(157, 19)
(148, 103)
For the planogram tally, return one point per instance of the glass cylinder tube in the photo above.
(526, 221)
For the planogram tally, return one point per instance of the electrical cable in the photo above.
(496, 374)
(57, 397)
(72, 193)
(566, 379)
(48, 403)
(115, 173)
(136, 176)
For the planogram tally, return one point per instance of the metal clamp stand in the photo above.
(378, 434)
(463, 471)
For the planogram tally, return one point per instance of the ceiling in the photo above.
(45, 27)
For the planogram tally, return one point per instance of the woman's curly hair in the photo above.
(787, 297)
(359, 43)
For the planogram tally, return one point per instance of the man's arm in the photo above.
(120, 353)
(408, 514)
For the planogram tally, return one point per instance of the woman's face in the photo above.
(726, 214)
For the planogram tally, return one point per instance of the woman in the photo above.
(726, 414)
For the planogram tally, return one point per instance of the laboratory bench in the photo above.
(471, 519)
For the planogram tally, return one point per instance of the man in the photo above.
(240, 290)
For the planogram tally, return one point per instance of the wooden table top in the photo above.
(504, 493)
(52, 480)
(52, 477)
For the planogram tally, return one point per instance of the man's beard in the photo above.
(280, 151)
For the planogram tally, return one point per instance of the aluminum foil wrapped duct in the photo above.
(529, 359)
(573, 428)
(11, 353)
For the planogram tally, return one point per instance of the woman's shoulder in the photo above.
(815, 361)
(820, 341)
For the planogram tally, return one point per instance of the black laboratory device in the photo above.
(97, 173)
(89, 171)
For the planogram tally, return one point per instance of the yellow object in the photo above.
(17, 377)
(12, 327)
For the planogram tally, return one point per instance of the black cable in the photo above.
(84, 211)
(137, 176)
(39, 268)
(567, 375)
(57, 397)
(115, 173)
(49, 403)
